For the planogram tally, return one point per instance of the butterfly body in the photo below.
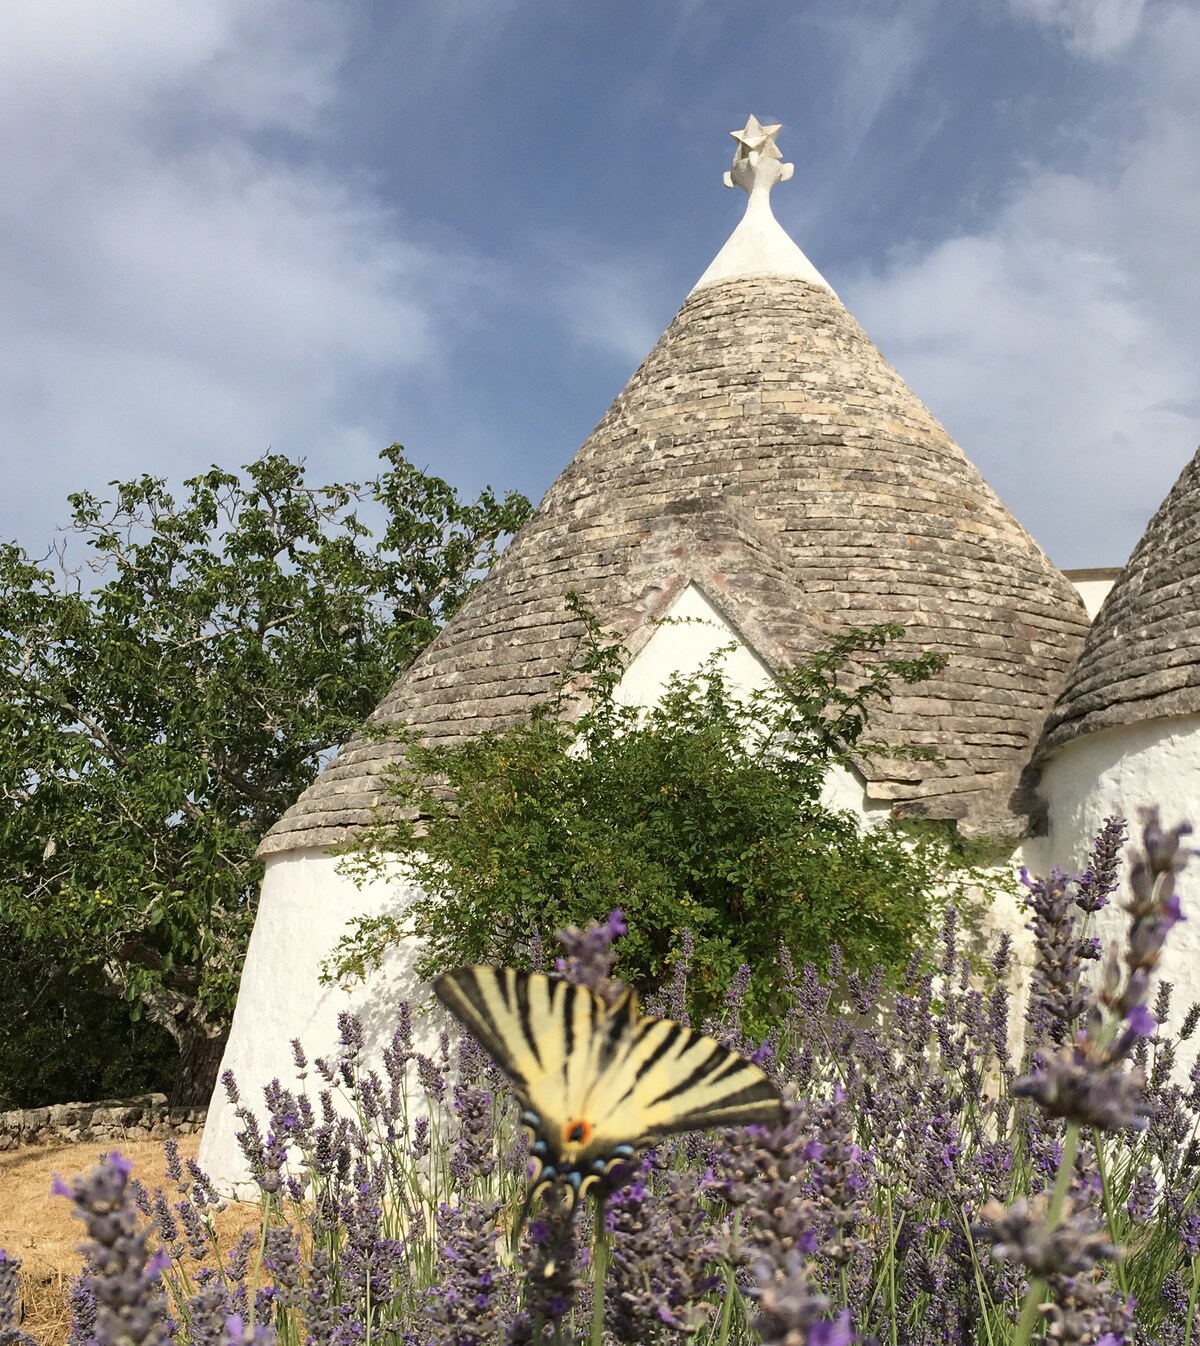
(596, 1082)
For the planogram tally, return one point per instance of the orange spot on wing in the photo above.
(578, 1131)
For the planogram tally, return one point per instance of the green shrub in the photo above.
(703, 814)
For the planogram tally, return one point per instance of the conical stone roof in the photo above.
(767, 453)
(1142, 656)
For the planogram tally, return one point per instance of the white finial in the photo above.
(756, 161)
(759, 246)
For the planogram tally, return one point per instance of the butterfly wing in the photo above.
(516, 1018)
(549, 1037)
(596, 1081)
(667, 1078)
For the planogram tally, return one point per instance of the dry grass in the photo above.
(40, 1229)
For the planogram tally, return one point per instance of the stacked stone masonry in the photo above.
(766, 452)
(1142, 656)
(144, 1118)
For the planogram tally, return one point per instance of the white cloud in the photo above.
(1059, 344)
(1094, 28)
(175, 270)
(610, 304)
(883, 48)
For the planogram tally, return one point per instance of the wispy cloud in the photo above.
(870, 56)
(608, 303)
(1059, 343)
(178, 268)
(1094, 28)
(882, 50)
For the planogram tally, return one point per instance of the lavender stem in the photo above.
(599, 1273)
(1062, 1181)
(1109, 1212)
(1191, 1313)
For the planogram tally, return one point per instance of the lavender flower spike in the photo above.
(589, 956)
(10, 1303)
(1087, 1080)
(125, 1279)
(790, 1314)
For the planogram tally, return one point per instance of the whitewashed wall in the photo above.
(1093, 586)
(692, 634)
(1114, 772)
(303, 910)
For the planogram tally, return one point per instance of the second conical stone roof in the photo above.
(1142, 657)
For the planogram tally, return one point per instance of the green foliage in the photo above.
(165, 702)
(64, 1037)
(702, 815)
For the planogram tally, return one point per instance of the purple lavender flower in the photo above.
(10, 1303)
(350, 1036)
(432, 1080)
(676, 994)
(1089, 1081)
(1142, 1197)
(661, 1253)
(237, 1332)
(81, 1305)
(419, 1146)
(166, 1227)
(473, 1156)
(1085, 1084)
(791, 1314)
(125, 1280)
(475, 1297)
(237, 1264)
(1019, 1233)
(589, 956)
(1085, 1309)
(195, 1231)
(369, 1259)
(174, 1165)
(551, 1263)
(1057, 997)
(324, 1317)
(1104, 864)
(203, 1192)
(738, 989)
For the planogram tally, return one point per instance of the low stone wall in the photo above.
(144, 1118)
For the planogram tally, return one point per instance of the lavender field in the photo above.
(923, 1186)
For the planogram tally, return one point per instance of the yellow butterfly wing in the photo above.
(536, 1029)
(595, 1082)
(669, 1078)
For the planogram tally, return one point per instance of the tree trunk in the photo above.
(199, 1061)
(201, 1042)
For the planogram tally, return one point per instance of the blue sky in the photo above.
(460, 224)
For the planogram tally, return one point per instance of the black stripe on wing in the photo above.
(516, 987)
(717, 1087)
(472, 995)
(618, 1024)
(563, 1002)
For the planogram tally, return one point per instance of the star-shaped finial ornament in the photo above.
(756, 161)
(754, 136)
